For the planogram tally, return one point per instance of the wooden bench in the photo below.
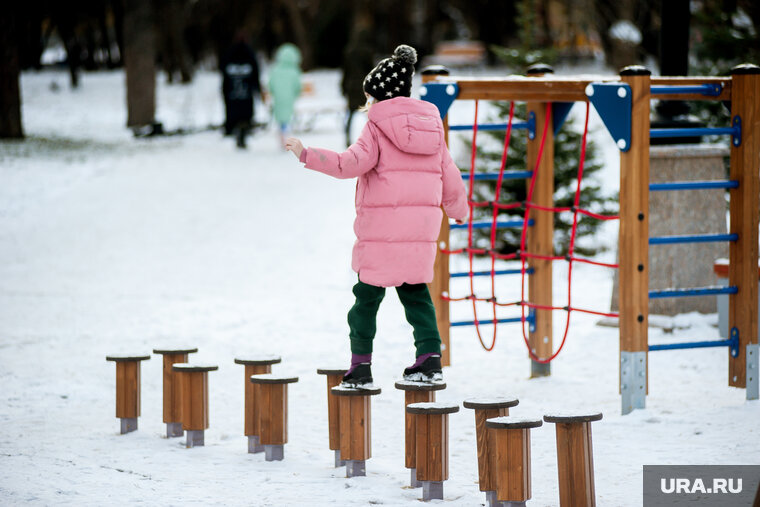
(355, 415)
(172, 389)
(575, 458)
(488, 408)
(513, 483)
(432, 445)
(414, 392)
(127, 389)
(272, 403)
(252, 420)
(194, 381)
(334, 377)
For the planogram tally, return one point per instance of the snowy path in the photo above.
(110, 245)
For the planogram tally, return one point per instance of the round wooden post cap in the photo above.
(166, 350)
(353, 391)
(269, 378)
(539, 68)
(435, 70)
(513, 423)
(192, 367)
(125, 358)
(262, 360)
(491, 403)
(745, 68)
(409, 385)
(573, 418)
(635, 70)
(432, 408)
(332, 371)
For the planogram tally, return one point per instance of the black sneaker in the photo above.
(359, 377)
(428, 371)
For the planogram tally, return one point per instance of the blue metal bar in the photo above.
(692, 185)
(488, 273)
(488, 321)
(692, 238)
(518, 125)
(693, 132)
(709, 89)
(487, 225)
(508, 175)
(732, 343)
(696, 291)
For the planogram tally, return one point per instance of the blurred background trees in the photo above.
(180, 36)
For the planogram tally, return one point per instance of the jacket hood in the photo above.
(413, 126)
(288, 55)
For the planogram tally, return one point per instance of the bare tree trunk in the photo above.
(139, 62)
(299, 32)
(10, 92)
(172, 18)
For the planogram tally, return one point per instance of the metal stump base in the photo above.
(338, 462)
(195, 438)
(253, 444)
(128, 424)
(432, 490)
(413, 482)
(274, 452)
(493, 501)
(355, 468)
(174, 430)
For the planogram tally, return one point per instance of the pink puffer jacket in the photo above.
(405, 175)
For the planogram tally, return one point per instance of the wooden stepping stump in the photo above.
(194, 381)
(432, 445)
(127, 389)
(334, 377)
(414, 392)
(513, 458)
(173, 389)
(488, 408)
(575, 458)
(252, 420)
(355, 415)
(272, 403)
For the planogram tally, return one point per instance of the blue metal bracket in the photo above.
(613, 103)
(442, 95)
(532, 319)
(736, 136)
(733, 342)
(560, 111)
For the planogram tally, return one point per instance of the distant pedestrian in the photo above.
(240, 81)
(357, 58)
(285, 86)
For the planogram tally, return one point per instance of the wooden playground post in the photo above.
(127, 389)
(540, 237)
(575, 459)
(743, 253)
(513, 457)
(633, 245)
(414, 392)
(440, 283)
(485, 409)
(334, 377)
(252, 413)
(272, 404)
(173, 389)
(194, 380)
(355, 427)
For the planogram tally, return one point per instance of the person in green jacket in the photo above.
(285, 85)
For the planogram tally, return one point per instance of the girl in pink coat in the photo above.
(405, 175)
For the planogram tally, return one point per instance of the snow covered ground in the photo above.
(110, 244)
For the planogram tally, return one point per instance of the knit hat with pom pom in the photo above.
(392, 77)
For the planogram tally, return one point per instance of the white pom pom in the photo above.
(405, 54)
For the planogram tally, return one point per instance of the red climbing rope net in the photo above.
(522, 254)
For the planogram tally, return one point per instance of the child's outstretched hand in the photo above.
(293, 144)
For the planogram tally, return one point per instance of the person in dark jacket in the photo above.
(240, 80)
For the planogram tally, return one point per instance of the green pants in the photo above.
(419, 309)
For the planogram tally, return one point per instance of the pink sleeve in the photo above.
(454, 192)
(358, 159)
